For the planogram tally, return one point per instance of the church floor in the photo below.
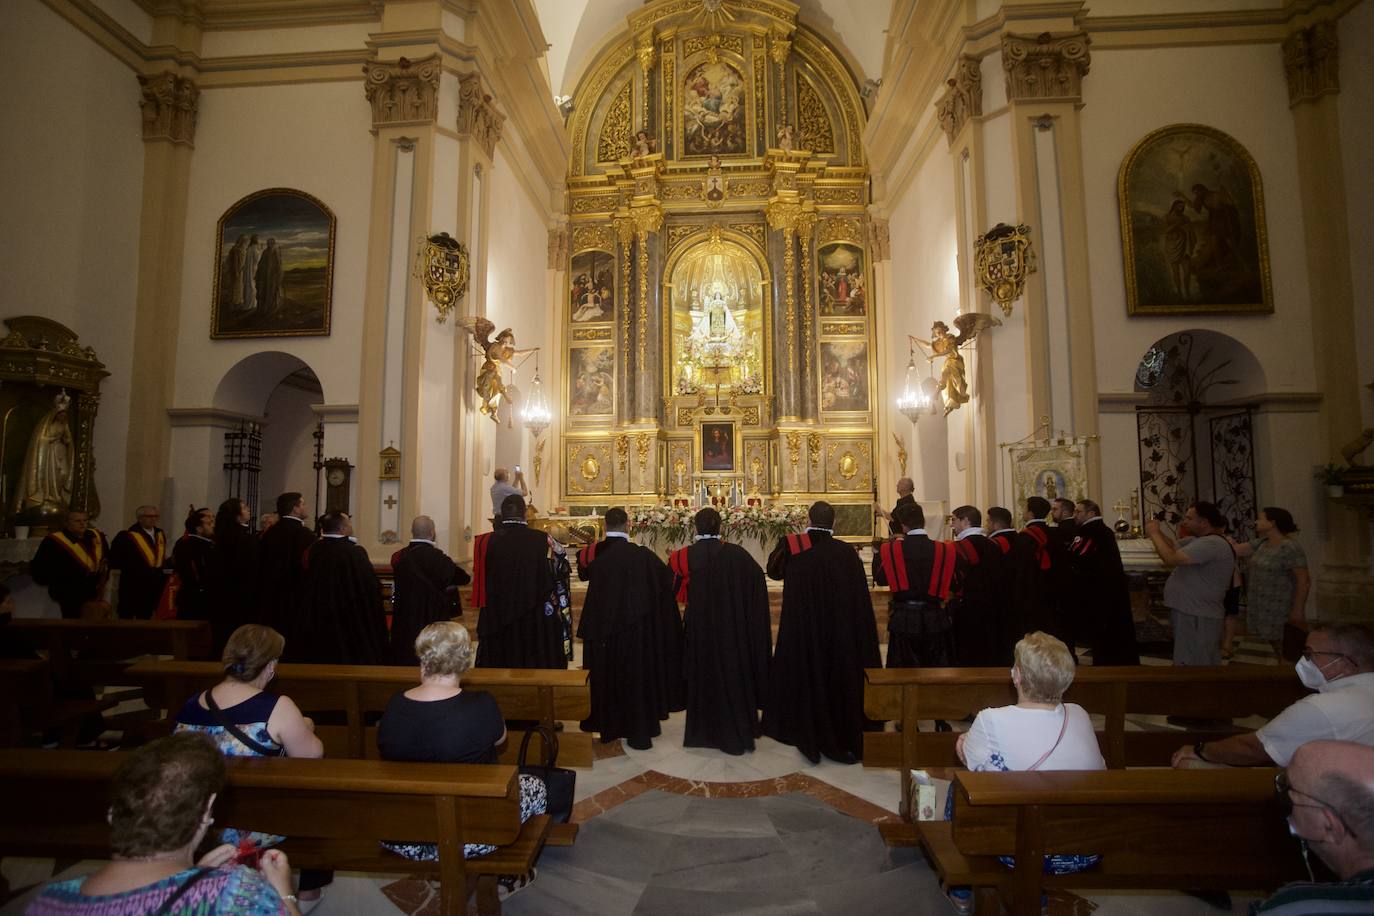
(676, 830)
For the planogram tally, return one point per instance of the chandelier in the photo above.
(919, 395)
(535, 414)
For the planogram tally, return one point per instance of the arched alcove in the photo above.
(1195, 434)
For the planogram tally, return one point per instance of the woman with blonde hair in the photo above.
(440, 722)
(244, 720)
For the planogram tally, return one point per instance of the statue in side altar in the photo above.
(45, 482)
(717, 323)
(787, 137)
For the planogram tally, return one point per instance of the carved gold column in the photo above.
(806, 225)
(168, 104)
(779, 49)
(783, 213)
(647, 55)
(625, 232)
(645, 213)
(1044, 80)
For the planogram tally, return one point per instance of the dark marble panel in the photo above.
(722, 863)
(672, 901)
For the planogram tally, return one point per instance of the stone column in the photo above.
(1311, 63)
(1044, 75)
(168, 104)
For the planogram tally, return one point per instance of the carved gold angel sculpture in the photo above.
(953, 380)
(494, 353)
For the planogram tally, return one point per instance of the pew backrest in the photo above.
(98, 652)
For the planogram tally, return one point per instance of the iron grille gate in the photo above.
(243, 464)
(1174, 473)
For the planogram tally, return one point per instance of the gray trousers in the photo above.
(1197, 640)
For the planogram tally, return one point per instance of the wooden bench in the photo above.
(29, 704)
(911, 694)
(1193, 829)
(99, 652)
(361, 692)
(334, 813)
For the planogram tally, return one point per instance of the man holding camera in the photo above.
(502, 488)
(1203, 563)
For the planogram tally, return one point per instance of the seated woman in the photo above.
(1041, 732)
(243, 720)
(439, 722)
(160, 807)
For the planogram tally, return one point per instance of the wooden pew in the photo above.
(30, 706)
(910, 694)
(1189, 829)
(334, 813)
(361, 692)
(98, 652)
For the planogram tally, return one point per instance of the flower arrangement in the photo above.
(671, 525)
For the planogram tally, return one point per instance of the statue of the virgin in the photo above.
(45, 483)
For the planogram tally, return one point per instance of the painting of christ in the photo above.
(841, 279)
(713, 110)
(718, 446)
(592, 293)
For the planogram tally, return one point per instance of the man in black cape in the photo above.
(631, 637)
(196, 560)
(922, 575)
(1003, 535)
(978, 605)
(346, 624)
(236, 600)
(73, 563)
(728, 636)
(1041, 566)
(281, 573)
(1100, 594)
(515, 577)
(827, 636)
(426, 590)
(144, 563)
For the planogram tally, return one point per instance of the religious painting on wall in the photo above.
(1192, 225)
(713, 101)
(593, 286)
(844, 374)
(591, 381)
(274, 266)
(842, 279)
(717, 446)
(1049, 468)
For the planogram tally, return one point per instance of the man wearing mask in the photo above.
(1338, 663)
(1327, 796)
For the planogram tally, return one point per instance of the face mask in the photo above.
(1310, 675)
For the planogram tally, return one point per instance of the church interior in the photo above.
(793, 250)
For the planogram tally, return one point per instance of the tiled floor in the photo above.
(695, 831)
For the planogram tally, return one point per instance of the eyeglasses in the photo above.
(1284, 790)
(1308, 653)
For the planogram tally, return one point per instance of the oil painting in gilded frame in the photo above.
(591, 295)
(717, 444)
(1192, 225)
(844, 376)
(1049, 468)
(841, 279)
(591, 381)
(274, 267)
(714, 101)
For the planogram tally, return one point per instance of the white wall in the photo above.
(314, 138)
(1354, 103)
(288, 446)
(71, 182)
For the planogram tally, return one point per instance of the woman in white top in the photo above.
(1041, 732)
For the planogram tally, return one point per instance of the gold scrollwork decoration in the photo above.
(699, 43)
(813, 448)
(842, 328)
(613, 144)
(678, 233)
(751, 416)
(601, 203)
(848, 466)
(587, 334)
(684, 416)
(794, 449)
(681, 191)
(841, 229)
(817, 134)
(840, 195)
(1003, 258)
(622, 450)
(755, 231)
(597, 237)
(642, 447)
(749, 187)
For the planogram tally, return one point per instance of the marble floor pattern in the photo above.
(675, 830)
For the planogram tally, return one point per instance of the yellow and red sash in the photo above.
(155, 555)
(90, 561)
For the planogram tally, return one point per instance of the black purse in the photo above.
(239, 734)
(560, 782)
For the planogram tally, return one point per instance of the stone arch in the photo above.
(247, 384)
(1199, 364)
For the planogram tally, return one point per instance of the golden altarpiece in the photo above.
(718, 323)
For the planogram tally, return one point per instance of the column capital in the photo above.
(403, 91)
(1311, 62)
(168, 105)
(1046, 67)
(478, 118)
(879, 239)
(558, 248)
(963, 99)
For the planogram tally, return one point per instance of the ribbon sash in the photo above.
(479, 569)
(796, 543)
(89, 561)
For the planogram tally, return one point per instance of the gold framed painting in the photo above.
(1193, 237)
(716, 441)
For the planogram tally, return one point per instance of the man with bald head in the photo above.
(425, 591)
(1327, 795)
(905, 489)
(140, 554)
(502, 488)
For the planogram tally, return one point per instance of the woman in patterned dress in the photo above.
(160, 809)
(271, 724)
(1276, 577)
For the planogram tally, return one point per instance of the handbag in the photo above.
(242, 736)
(559, 782)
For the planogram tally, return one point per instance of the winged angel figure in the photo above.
(494, 353)
(953, 381)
